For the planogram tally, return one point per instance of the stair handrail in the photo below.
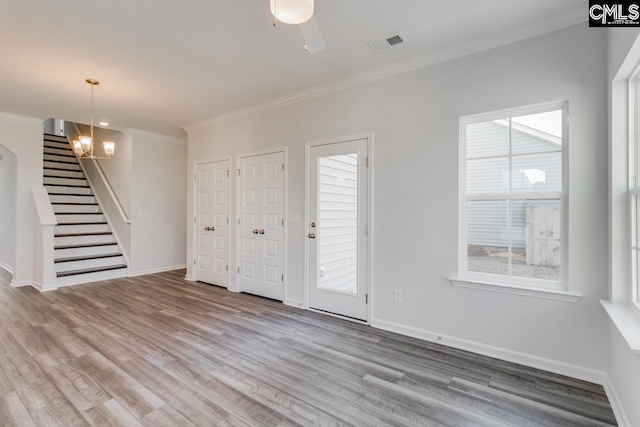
(105, 181)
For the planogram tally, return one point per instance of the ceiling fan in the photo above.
(300, 12)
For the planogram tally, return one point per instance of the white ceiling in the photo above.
(164, 64)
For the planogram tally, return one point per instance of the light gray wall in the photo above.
(23, 137)
(158, 199)
(415, 119)
(8, 185)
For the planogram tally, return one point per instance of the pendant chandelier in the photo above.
(292, 11)
(83, 146)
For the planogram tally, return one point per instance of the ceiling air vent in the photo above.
(392, 40)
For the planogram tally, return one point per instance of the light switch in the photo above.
(143, 214)
(294, 217)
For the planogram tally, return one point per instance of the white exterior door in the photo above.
(261, 225)
(212, 223)
(338, 228)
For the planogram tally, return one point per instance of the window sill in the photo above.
(627, 320)
(550, 294)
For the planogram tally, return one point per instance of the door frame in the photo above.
(307, 186)
(194, 206)
(274, 150)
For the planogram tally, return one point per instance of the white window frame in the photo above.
(634, 182)
(488, 281)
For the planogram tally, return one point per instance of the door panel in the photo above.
(261, 213)
(212, 223)
(338, 241)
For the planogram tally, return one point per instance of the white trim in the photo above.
(274, 150)
(189, 278)
(40, 287)
(614, 401)
(20, 119)
(522, 286)
(6, 268)
(550, 365)
(307, 183)
(154, 136)
(627, 321)
(550, 294)
(156, 270)
(21, 283)
(192, 224)
(294, 303)
(443, 55)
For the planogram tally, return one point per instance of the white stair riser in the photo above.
(82, 240)
(91, 277)
(92, 250)
(78, 217)
(65, 166)
(63, 174)
(67, 190)
(64, 181)
(59, 151)
(79, 209)
(61, 267)
(75, 229)
(65, 159)
(71, 199)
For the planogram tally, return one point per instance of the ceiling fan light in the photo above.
(292, 11)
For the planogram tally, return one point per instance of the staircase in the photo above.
(85, 249)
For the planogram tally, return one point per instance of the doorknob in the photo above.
(312, 235)
(206, 229)
(261, 231)
(209, 229)
(255, 231)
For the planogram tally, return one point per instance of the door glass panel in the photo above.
(337, 227)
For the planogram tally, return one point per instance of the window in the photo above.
(512, 196)
(634, 184)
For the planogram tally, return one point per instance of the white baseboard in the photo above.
(293, 303)
(189, 278)
(550, 365)
(616, 405)
(156, 270)
(21, 283)
(6, 268)
(42, 288)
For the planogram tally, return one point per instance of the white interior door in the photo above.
(261, 228)
(338, 228)
(212, 223)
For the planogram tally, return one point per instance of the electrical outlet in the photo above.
(397, 296)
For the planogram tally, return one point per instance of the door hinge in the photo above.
(227, 172)
(367, 161)
(227, 268)
(238, 221)
(366, 298)
(283, 277)
(195, 177)
(366, 229)
(283, 222)
(238, 172)
(283, 167)
(227, 221)
(238, 270)
(194, 219)
(194, 261)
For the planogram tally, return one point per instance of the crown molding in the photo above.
(21, 119)
(154, 136)
(490, 42)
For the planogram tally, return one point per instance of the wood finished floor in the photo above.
(158, 351)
